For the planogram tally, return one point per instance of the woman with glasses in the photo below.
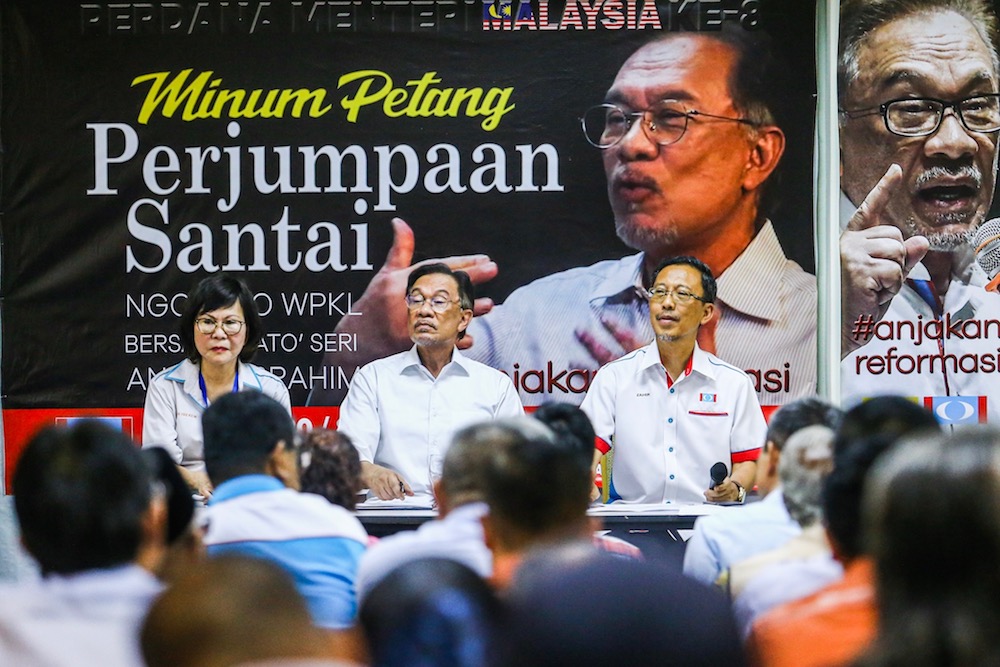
(220, 330)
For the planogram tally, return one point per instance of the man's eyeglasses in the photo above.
(921, 116)
(439, 304)
(679, 295)
(207, 326)
(664, 123)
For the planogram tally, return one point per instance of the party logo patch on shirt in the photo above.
(707, 398)
(957, 410)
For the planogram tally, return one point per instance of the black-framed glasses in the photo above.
(922, 116)
(439, 304)
(679, 295)
(664, 123)
(230, 327)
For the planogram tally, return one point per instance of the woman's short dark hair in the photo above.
(331, 467)
(212, 293)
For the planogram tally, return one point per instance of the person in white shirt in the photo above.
(92, 516)
(402, 411)
(671, 410)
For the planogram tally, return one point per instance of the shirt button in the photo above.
(671, 477)
(670, 449)
(671, 390)
(670, 420)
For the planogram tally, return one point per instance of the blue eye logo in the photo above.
(957, 410)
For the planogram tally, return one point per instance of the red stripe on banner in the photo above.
(982, 409)
(748, 455)
(20, 425)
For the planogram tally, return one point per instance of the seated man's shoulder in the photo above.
(279, 515)
(331, 515)
(740, 520)
(727, 369)
(435, 539)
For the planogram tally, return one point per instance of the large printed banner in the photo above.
(922, 95)
(147, 145)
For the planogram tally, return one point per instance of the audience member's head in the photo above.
(783, 423)
(84, 500)
(569, 422)
(330, 467)
(893, 416)
(183, 538)
(431, 612)
(230, 610)
(805, 462)
(868, 430)
(536, 485)
(463, 470)
(608, 611)
(842, 493)
(248, 433)
(932, 525)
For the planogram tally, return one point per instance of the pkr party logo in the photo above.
(957, 410)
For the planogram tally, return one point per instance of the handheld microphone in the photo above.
(987, 244)
(718, 473)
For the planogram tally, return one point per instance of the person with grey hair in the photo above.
(457, 533)
(936, 576)
(805, 563)
(919, 116)
(722, 539)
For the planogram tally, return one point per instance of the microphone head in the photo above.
(718, 473)
(987, 244)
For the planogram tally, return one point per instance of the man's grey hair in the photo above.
(471, 451)
(858, 18)
(805, 462)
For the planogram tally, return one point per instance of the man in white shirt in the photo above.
(671, 410)
(402, 411)
(90, 516)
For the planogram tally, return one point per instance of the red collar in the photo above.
(687, 370)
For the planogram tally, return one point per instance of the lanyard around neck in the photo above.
(204, 389)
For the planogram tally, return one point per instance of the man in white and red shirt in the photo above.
(671, 410)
